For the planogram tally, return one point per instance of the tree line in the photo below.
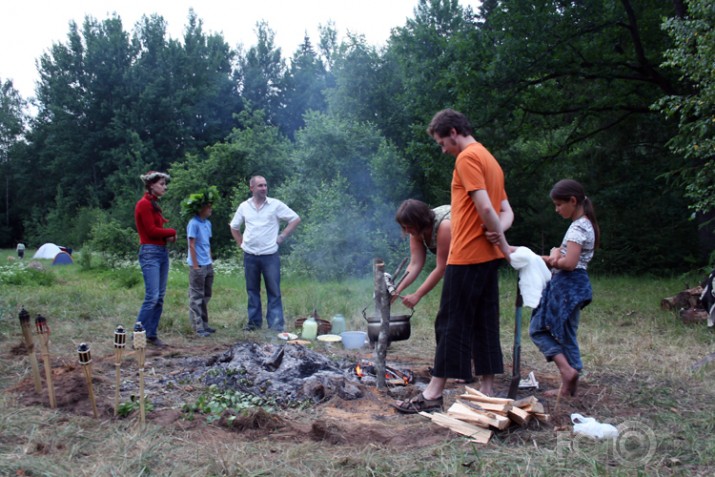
(614, 93)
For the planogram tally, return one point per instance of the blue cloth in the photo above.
(555, 322)
(200, 230)
(270, 267)
(154, 262)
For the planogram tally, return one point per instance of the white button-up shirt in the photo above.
(262, 224)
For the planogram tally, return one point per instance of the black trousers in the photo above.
(467, 324)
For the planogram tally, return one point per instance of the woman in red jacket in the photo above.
(153, 255)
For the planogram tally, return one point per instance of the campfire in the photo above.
(393, 376)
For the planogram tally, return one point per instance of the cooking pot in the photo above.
(399, 327)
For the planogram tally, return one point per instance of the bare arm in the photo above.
(506, 217)
(490, 218)
(192, 253)
(417, 261)
(444, 236)
(566, 262)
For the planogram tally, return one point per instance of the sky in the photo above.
(29, 28)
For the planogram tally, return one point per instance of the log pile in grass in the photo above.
(476, 415)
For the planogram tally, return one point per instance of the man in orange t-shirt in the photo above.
(467, 324)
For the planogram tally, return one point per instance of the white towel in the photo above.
(533, 275)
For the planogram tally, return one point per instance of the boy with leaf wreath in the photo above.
(198, 206)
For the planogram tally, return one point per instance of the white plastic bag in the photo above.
(590, 427)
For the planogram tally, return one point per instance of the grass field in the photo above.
(638, 375)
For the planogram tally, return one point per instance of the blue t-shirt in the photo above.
(200, 229)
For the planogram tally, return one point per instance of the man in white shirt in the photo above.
(260, 240)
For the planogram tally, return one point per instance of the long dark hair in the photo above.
(414, 213)
(567, 188)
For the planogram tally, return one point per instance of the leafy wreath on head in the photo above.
(193, 204)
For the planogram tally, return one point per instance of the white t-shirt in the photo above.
(581, 232)
(262, 225)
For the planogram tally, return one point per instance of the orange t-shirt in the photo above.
(474, 169)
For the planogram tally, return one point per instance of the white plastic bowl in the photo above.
(353, 339)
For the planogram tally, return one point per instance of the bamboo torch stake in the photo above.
(85, 359)
(43, 330)
(30, 346)
(120, 341)
(140, 347)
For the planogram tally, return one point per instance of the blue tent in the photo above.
(62, 258)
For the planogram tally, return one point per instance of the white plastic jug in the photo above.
(310, 329)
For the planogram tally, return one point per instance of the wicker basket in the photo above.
(324, 326)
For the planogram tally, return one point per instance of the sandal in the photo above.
(419, 404)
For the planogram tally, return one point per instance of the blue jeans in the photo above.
(154, 261)
(569, 348)
(270, 267)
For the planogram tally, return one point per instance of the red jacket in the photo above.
(150, 223)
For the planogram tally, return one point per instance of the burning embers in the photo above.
(393, 376)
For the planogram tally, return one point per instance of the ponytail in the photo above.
(567, 188)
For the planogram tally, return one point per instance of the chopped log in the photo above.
(523, 402)
(502, 408)
(534, 408)
(464, 412)
(484, 398)
(693, 315)
(519, 416)
(685, 299)
(477, 434)
(543, 418)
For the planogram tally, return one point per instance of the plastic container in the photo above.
(310, 329)
(588, 426)
(353, 339)
(338, 324)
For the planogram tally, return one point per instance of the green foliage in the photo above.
(26, 276)
(341, 237)
(692, 54)
(553, 89)
(193, 204)
(215, 401)
(132, 406)
(113, 240)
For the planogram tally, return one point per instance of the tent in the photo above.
(62, 258)
(48, 250)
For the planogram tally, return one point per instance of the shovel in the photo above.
(516, 366)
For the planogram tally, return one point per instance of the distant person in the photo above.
(21, 250)
(429, 230)
(467, 324)
(260, 241)
(554, 324)
(201, 273)
(153, 254)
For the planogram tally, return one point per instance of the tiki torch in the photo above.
(120, 340)
(43, 330)
(140, 347)
(30, 345)
(85, 359)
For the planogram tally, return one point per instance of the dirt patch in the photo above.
(335, 406)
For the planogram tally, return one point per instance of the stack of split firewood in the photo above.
(475, 414)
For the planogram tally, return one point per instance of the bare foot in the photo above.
(569, 383)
